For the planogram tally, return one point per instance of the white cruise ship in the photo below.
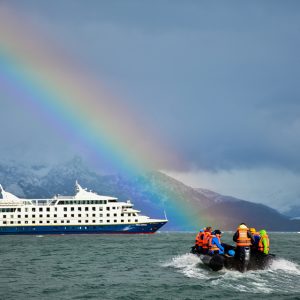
(86, 212)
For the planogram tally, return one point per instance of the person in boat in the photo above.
(214, 243)
(206, 236)
(264, 242)
(199, 240)
(256, 236)
(243, 239)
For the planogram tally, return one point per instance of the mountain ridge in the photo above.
(208, 207)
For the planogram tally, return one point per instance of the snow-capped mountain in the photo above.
(152, 192)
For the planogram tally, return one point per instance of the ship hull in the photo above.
(145, 228)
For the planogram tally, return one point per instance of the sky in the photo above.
(218, 81)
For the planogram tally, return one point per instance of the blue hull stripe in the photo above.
(79, 229)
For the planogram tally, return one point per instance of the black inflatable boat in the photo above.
(248, 260)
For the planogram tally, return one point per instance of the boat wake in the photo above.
(279, 277)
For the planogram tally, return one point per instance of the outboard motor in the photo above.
(244, 257)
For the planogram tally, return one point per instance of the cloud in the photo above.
(218, 81)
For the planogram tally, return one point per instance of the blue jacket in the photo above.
(215, 241)
(256, 238)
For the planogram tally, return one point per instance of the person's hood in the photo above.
(262, 232)
(243, 226)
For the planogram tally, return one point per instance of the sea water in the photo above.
(155, 266)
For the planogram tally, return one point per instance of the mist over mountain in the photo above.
(294, 211)
(225, 212)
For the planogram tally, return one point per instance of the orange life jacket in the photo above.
(213, 247)
(199, 239)
(205, 239)
(261, 245)
(243, 240)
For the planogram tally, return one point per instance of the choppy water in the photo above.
(137, 267)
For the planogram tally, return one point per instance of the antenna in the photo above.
(165, 215)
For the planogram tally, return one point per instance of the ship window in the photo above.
(26, 222)
(65, 215)
(33, 222)
(41, 216)
(41, 222)
(65, 208)
(136, 220)
(115, 215)
(122, 221)
(86, 209)
(19, 216)
(115, 221)
(93, 215)
(100, 209)
(72, 208)
(19, 209)
(19, 222)
(122, 215)
(4, 216)
(79, 215)
(108, 221)
(40, 209)
(101, 221)
(100, 215)
(94, 221)
(55, 216)
(72, 215)
(79, 208)
(48, 216)
(87, 215)
(62, 221)
(4, 222)
(55, 208)
(33, 216)
(129, 220)
(33, 209)
(129, 215)
(12, 216)
(26, 216)
(79, 221)
(93, 208)
(107, 208)
(48, 209)
(48, 222)
(11, 222)
(86, 221)
(55, 221)
(26, 209)
(107, 215)
(113, 208)
(68, 221)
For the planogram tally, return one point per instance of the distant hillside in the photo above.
(227, 210)
(208, 207)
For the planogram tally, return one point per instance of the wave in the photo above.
(279, 277)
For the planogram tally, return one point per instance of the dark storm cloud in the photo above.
(219, 79)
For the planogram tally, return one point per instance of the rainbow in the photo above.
(42, 79)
